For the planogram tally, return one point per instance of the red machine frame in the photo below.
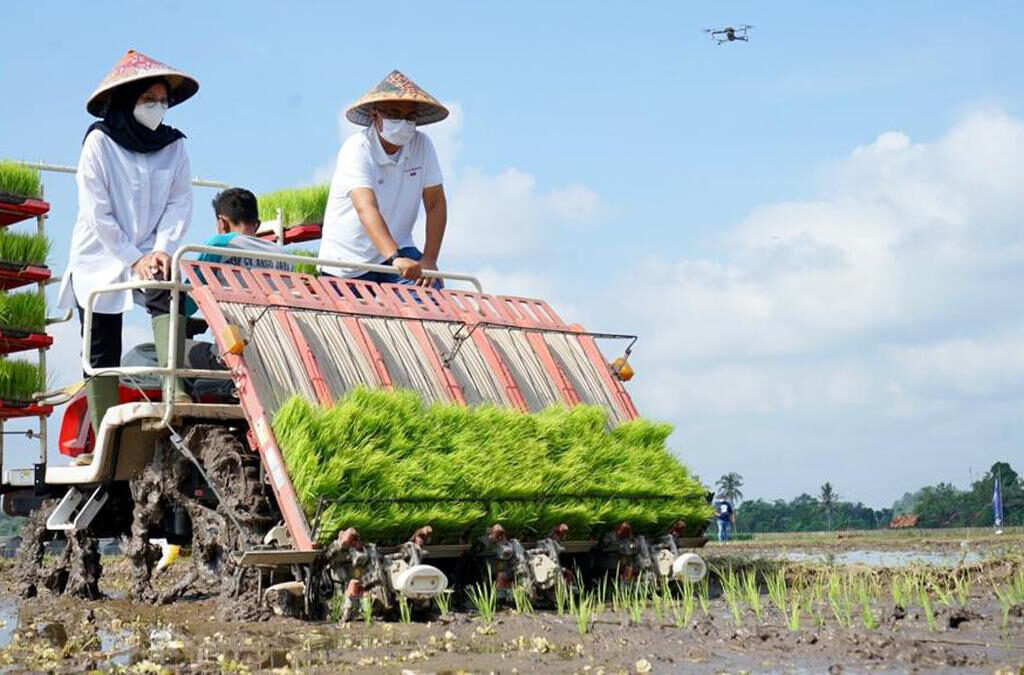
(280, 291)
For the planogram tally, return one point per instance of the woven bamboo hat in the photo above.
(135, 66)
(396, 87)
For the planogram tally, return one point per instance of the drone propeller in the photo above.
(746, 26)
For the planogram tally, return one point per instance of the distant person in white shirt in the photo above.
(382, 175)
(134, 208)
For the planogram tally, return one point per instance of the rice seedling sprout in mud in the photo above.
(793, 618)
(366, 609)
(359, 451)
(866, 615)
(521, 599)
(962, 587)
(404, 610)
(561, 596)
(926, 607)
(777, 590)
(23, 249)
(299, 206)
(637, 602)
(583, 611)
(443, 600)
(334, 610)
(484, 598)
(704, 595)
(19, 180)
(899, 597)
(23, 311)
(753, 592)
(683, 611)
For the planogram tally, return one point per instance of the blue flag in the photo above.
(997, 501)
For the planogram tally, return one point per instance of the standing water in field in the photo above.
(882, 558)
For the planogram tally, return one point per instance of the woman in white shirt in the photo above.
(134, 208)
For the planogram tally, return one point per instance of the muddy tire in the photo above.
(221, 531)
(75, 572)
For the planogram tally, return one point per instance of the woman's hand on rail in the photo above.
(146, 267)
(163, 261)
(153, 266)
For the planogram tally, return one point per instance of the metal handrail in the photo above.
(62, 168)
(177, 285)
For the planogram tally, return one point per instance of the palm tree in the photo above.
(730, 485)
(828, 501)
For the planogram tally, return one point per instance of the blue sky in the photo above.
(612, 159)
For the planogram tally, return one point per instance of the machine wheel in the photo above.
(171, 483)
(76, 571)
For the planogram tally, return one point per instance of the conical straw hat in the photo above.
(135, 66)
(397, 87)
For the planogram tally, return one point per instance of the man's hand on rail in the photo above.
(426, 263)
(407, 268)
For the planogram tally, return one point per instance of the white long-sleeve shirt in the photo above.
(129, 204)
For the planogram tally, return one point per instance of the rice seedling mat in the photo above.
(18, 381)
(387, 463)
(298, 206)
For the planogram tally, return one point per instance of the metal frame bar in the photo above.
(175, 331)
(62, 168)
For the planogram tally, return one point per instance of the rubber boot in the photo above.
(101, 393)
(161, 337)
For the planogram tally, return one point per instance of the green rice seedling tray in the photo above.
(386, 463)
(299, 206)
(18, 248)
(18, 180)
(23, 312)
(20, 192)
(18, 381)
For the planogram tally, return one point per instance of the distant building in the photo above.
(908, 520)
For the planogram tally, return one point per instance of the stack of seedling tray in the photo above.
(23, 313)
(387, 463)
(301, 211)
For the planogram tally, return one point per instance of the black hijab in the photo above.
(120, 125)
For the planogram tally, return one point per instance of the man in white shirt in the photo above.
(382, 175)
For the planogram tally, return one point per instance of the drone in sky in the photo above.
(730, 33)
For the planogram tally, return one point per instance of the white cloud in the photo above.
(889, 302)
(493, 216)
(895, 241)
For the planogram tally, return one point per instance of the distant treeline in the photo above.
(807, 514)
(945, 505)
(941, 505)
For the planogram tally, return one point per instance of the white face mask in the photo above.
(150, 115)
(397, 132)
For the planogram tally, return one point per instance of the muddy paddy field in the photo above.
(914, 601)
